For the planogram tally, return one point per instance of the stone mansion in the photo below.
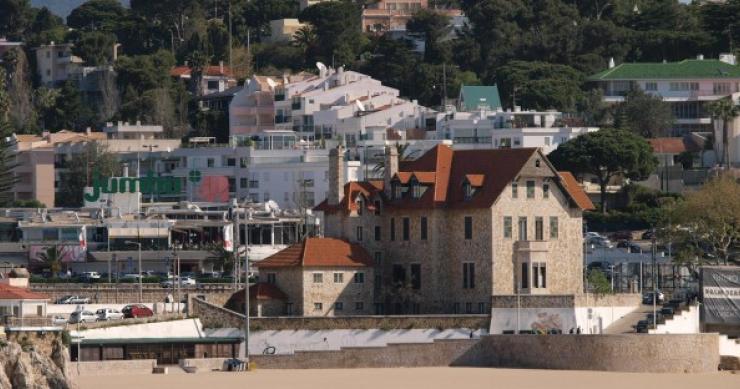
(452, 228)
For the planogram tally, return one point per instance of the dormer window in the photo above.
(415, 188)
(537, 163)
(396, 186)
(468, 190)
(359, 206)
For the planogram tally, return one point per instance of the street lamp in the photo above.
(141, 284)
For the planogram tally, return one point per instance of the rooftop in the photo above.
(8, 292)
(474, 95)
(686, 69)
(673, 145)
(319, 252)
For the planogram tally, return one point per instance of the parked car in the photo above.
(82, 317)
(591, 234)
(105, 314)
(631, 247)
(647, 297)
(136, 310)
(58, 320)
(72, 300)
(89, 276)
(600, 242)
(131, 276)
(184, 281)
(647, 235)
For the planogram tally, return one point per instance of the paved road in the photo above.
(624, 325)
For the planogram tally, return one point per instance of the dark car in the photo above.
(133, 311)
(621, 235)
(648, 235)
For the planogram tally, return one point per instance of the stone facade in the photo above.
(495, 250)
(129, 293)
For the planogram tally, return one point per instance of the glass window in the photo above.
(406, 228)
(377, 233)
(393, 229)
(423, 227)
(514, 189)
(525, 276)
(546, 191)
(468, 227)
(49, 234)
(522, 228)
(507, 227)
(318, 278)
(338, 306)
(530, 189)
(378, 258)
(359, 233)
(70, 234)
(338, 278)
(271, 278)
(651, 86)
(538, 228)
(415, 276)
(553, 227)
(318, 307)
(359, 278)
(468, 275)
(359, 306)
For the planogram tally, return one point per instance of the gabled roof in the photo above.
(185, 71)
(471, 96)
(683, 70)
(576, 192)
(445, 171)
(673, 145)
(318, 252)
(8, 292)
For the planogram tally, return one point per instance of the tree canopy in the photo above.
(606, 154)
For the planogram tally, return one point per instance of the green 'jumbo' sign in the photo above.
(148, 184)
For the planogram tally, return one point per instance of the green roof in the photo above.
(686, 69)
(472, 96)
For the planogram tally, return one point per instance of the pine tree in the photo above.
(7, 178)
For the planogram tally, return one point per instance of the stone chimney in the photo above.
(391, 168)
(336, 176)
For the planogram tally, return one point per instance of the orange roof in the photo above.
(319, 252)
(672, 145)
(475, 179)
(28, 138)
(446, 170)
(576, 192)
(8, 292)
(216, 70)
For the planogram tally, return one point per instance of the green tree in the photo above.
(96, 15)
(433, 26)
(598, 283)
(540, 85)
(7, 177)
(95, 47)
(337, 25)
(94, 158)
(15, 15)
(221, 259)
(257, 14)
(710, 219)
(644, 114)
(52, 259)
(45, 101)
(726, 111)
(606, 154)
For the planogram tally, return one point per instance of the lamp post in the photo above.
(141, 283)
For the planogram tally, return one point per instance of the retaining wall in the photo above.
(213, 316)
(108, 368)
(695, 353)
(128, 293)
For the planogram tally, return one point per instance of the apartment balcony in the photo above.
(532, 245)
(283, 119)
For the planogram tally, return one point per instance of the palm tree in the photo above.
(305, 37)
(725, 110)
(379, 169)
(52, 258)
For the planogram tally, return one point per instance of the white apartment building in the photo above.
(335, 102)
(506, 129)
(55, 63)
(688, 85)
(291, 177)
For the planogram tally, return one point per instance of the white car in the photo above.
(90, 276)
(58, 320)
(105, 314)
(82, 317)
(184, 281)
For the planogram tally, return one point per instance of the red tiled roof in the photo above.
(8, 292)
(576, 192)
(180, 71)
(319, 252)
(445, 170)
(265, 291)
(672, 145)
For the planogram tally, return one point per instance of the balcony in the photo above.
(283, 119)
(532, 245)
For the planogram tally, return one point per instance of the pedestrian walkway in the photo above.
(626, 324)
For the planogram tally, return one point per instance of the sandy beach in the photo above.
(426, 378)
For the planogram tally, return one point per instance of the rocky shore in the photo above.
(23, 367)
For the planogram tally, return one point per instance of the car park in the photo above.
(105, 314)
(136, 310)
(82, 317)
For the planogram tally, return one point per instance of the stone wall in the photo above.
(128, 293)
(697, 353)
(213, 316)
(111, 368)
(566, 301)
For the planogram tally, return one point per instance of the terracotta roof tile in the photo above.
(8, 292)
(576, 192)
(319, 252)
(215, 70)
(672, 145)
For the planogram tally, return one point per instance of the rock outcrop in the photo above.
(25, 368)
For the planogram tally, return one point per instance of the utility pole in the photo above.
(655, 290)
(230, 44)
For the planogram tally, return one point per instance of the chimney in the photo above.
(221, 67)
(391, 168)
(336, 176)
(611, 63)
